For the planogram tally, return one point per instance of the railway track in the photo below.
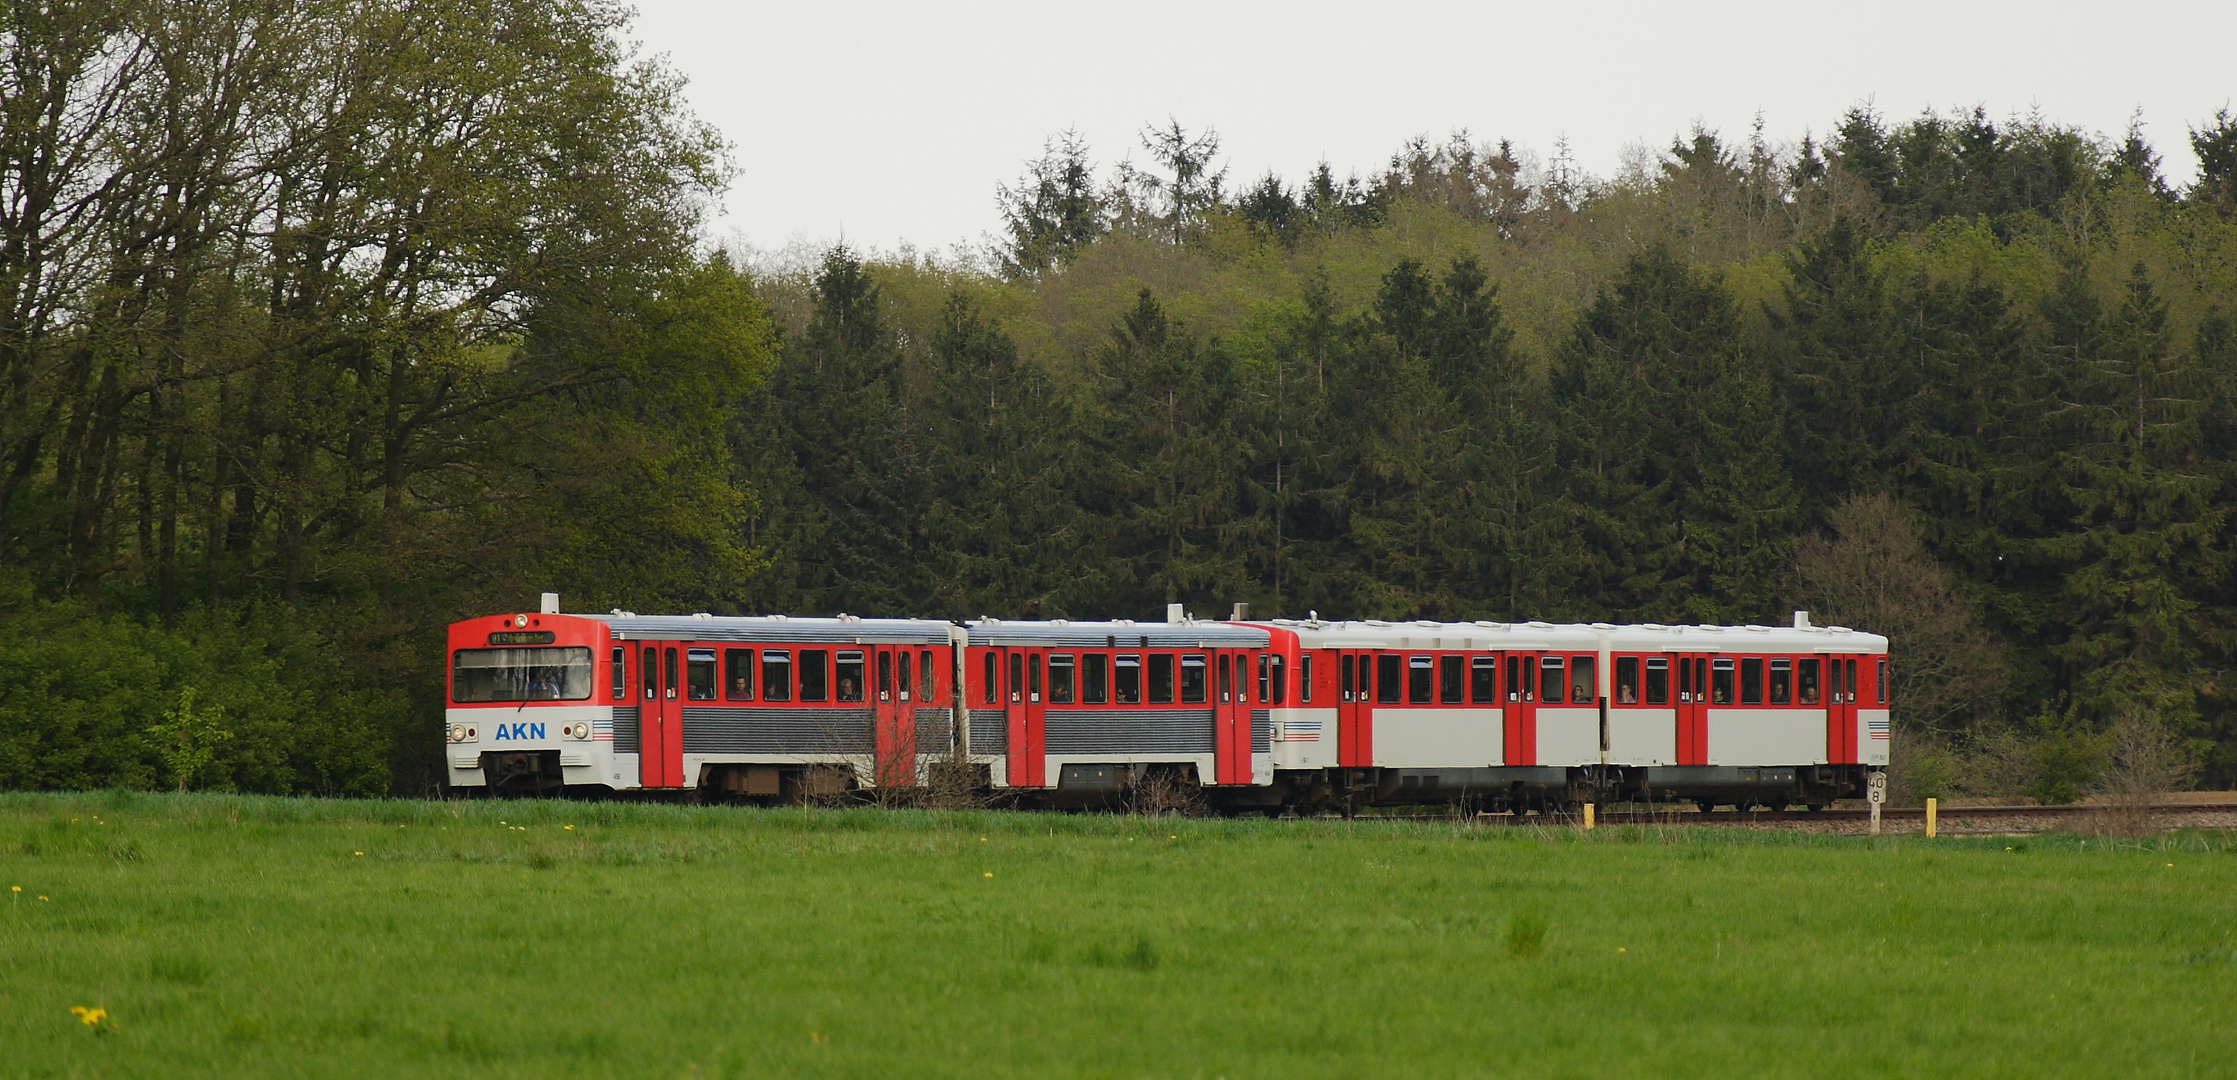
(1949, 819)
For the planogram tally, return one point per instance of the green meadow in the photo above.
(224, 936)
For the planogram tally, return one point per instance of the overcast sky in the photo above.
(885, 123)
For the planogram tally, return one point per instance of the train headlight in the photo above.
(458, 733)
(520, 620)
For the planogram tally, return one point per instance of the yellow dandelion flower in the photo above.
(990, 873)
(42, 898)
(357, 853)
(89, 1017)
(15, 888)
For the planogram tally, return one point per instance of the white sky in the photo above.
(883, 123)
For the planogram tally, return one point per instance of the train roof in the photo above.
(1119, 634)
(781, 629)
(1637, 637)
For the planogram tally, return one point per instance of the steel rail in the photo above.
(1829, 816)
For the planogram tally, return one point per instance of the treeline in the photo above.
(1965, 383)
(323, 324)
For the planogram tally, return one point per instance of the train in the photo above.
(1276, 715)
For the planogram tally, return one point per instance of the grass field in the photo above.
(236, 936)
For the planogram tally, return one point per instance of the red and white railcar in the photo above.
(1088, 709)
(1540, 712)
(738, 704)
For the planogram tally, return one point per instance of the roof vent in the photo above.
(551, 603)
(701, 615)
(1174, 615)
(1242, 612)
(1802, 621)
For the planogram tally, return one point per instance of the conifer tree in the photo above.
(2147, 538)
(1161, 470)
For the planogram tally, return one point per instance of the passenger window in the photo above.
(1017, 678)
(1060, 679)
(1127, 680)
(815, 674)
(850, 676)
(1627, 680)
(1584, 688)
(1161, 678)
(1720, 685)
(1280, 681)
(776, 675)
(1658, 680)
(901, 680)
(928, 678)
(1782, 681)
(1098, 688)
(620, 654)
(1549, 680)
(1192, 680)
(1305, 679)
(700, 675)
(1882, 683)
(1448, 680)
(1483, 680)
(1806, 682)
(987, 680)
(1751, 681)
(1386, 678)
(738, 673)
(1420, 671)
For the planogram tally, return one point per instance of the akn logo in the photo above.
(519, 731)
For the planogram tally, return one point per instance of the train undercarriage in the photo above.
(1177, 787)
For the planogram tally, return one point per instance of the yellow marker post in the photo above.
(1930, 819)
(1588, 817)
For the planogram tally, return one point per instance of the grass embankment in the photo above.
(234, 936)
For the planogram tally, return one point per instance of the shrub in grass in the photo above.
(1526, 935)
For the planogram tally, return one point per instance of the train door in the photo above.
(1231, 716)
(1355, 708)
(894, 726)
(660, 723)
(1840, 710)
(1692, 671)
(1520, 737)
(1022, 703)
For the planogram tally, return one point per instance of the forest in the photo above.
(325, 323)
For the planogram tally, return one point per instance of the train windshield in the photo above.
(558, 674)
